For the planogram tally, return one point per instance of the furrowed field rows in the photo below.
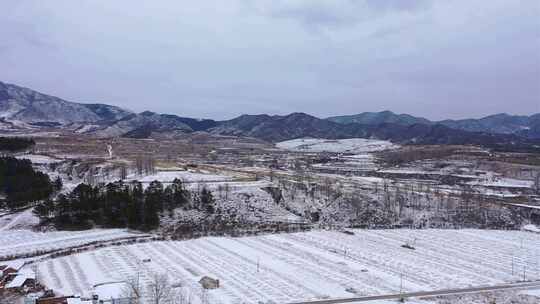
(14, 242)
(305, 266)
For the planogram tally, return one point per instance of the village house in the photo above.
(53, 300)
(8, 270)
(22, 281)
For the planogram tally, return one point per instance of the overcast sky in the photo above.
(219, 59)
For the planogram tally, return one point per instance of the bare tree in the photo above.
(220, 191)
(123, 171)
(139, 165)
(327, 187)
(160, 290)
(132, 289)
(90, 177)
(145, 165)
(227, 191)
(204, 296)
(357, 204)
(180, 296)
(537, 183)
(271, 174)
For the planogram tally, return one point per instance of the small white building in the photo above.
(111, 293)
(78, 301)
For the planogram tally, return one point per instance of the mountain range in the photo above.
(526, 126)
(25, 108)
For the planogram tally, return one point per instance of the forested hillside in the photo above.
(21, 184)
(120, 205)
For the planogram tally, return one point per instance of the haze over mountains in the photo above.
(24, 108)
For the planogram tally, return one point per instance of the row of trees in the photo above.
(22, 185)
(119, 205)
(392, 204)
(15, 144)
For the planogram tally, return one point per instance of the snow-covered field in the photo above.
(14, 242)
(187, 176)
(505, 182)
(39, 159)
(21, 220)
(281, 268)
(349, 145)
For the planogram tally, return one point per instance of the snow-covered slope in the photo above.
(19, 104)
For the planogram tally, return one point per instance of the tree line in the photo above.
(14, 144)
(121, 205)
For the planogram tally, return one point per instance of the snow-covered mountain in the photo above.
(21, 107)
(25, 106)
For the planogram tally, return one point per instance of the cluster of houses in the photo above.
(14, 278)
(105, 293)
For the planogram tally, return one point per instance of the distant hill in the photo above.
(24, 108)
(521, 125)
(279, 128)
(376, 118)
(528, 126)
(21, 107)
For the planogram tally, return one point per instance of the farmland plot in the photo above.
(186, 176)
(314, 265)
(16, 242)
(349, 145)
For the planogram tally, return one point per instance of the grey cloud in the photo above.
(219, 59)
(335, 13)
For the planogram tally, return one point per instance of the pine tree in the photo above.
(153, 205)
(58, 184)
(206, 200)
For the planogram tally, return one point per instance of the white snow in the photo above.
(14, 264)
(39, 159)
(13, 242)
(169, 176)
(531, 228)
(350, 145)
(532, 292)
(23, 219)
(505, 182)
(305, 266)
(112, 290)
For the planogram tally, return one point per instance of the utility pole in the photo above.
(400, 284)
(512, 265)
(537, 262)
(35, 270)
